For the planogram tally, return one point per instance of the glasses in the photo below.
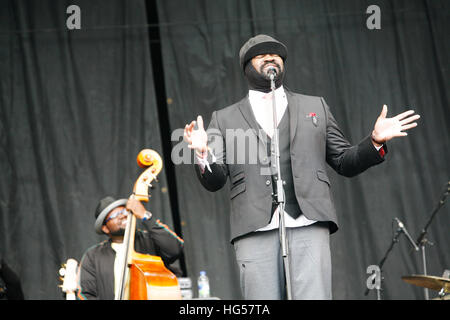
(116, 214)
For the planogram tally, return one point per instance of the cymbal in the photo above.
(446, 297)
(430, 282)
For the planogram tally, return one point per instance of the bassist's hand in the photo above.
(136, 207)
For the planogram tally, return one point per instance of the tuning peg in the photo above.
(145, 178)
(153, 176)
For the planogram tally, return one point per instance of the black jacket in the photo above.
(96, 279)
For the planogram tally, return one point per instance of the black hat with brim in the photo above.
(103, 208)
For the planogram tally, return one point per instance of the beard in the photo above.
(120, 227)
(118, 232)
(260, 80)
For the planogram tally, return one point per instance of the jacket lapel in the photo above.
(247, 113)
(294, 109)
(294, 106)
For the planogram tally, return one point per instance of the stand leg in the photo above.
(378, 294)
(280, 194)
(285, 253)
(380, 287)
(424, 261)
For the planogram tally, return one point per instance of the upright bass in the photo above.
(144, 276)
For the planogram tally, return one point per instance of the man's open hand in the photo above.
(387, 128)
(196, 138)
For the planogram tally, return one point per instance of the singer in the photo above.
(309, 138)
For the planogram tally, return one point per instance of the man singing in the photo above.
(309, 138)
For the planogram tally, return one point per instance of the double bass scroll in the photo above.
(143, 276)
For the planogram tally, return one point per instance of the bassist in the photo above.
(99, 266)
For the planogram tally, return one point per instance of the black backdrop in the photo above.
(76, 106)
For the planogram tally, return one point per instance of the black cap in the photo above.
(261, 44)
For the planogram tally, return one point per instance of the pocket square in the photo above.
(314, 118)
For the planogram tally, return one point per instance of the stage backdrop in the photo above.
(333, 54)
(76, 107)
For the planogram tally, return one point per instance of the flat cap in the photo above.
(261, 44)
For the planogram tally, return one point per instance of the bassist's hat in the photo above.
(103, 208)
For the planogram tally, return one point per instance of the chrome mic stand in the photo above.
(422, 240)
(279, 196)
(380, 265)
(400, 229)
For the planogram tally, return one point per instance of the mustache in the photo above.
(274, 64)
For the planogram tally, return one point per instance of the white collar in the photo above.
(255, 94)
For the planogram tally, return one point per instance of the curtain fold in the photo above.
(77, 106)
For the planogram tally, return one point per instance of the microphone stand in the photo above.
(380, 265)
(422, 240)
(279, 196)
(402, 226)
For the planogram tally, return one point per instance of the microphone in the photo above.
(272, 72)
(403, 229)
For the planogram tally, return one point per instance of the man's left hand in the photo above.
(136, 207)
(387, 128)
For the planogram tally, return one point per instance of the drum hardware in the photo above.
(440, 284)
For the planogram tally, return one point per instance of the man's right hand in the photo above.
(196, 138)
